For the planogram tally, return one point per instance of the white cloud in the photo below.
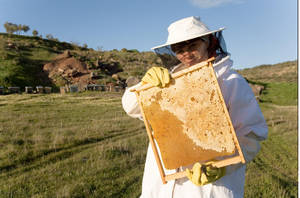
(212, 3)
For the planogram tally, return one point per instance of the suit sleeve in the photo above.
(246, 116)
(130, 103)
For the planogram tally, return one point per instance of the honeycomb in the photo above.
(189, 119)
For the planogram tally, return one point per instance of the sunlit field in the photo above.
(84, 145)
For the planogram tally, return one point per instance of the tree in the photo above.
(85, 46)
(25, 28)
(49, 36)
(10, 27)
(35, 32)
(19, 29)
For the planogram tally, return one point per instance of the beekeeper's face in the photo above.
(191, 52)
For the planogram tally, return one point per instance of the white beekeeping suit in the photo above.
(250, 128)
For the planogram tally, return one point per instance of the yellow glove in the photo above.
(204, 174)
(157, 76)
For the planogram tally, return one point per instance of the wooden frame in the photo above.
(239, 158)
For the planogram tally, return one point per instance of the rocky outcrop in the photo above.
(257, 89)
(66, 68)
(132, 81)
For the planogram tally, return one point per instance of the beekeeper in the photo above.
(190, 42)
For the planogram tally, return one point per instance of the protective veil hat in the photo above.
(186, 29)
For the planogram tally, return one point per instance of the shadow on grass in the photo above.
(60, 153)
(287, 183)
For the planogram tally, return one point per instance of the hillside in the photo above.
(32, 61)
(23, 60)
(278, 81)
(281, 72)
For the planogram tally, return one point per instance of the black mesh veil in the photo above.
(222, 50)
(170, 60)
(167, 56)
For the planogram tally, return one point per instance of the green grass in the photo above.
(273, 173)
(280, 93)
(21, 65)
(22, 59)
(84, 145)
(75, 145)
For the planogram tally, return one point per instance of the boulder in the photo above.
(64, 55)
(257, 89)
(132, 81)
(115, 76)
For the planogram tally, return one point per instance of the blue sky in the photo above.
(257, 31)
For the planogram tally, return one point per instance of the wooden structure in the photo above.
(48, 90)
(99, 87)
(90, 87)
(28, 90)
(188, 121)
(63, 90)
(73, 88)
(1, 90)
(118, 88)
(14, 90)
(39, 89)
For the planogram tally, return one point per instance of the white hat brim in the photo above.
(179, 41)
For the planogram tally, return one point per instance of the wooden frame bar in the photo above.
(151, 139)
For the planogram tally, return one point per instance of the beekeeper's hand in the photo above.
(157, 76)
(204, 174)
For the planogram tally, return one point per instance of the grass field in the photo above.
(69, 146)
(84, 145)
